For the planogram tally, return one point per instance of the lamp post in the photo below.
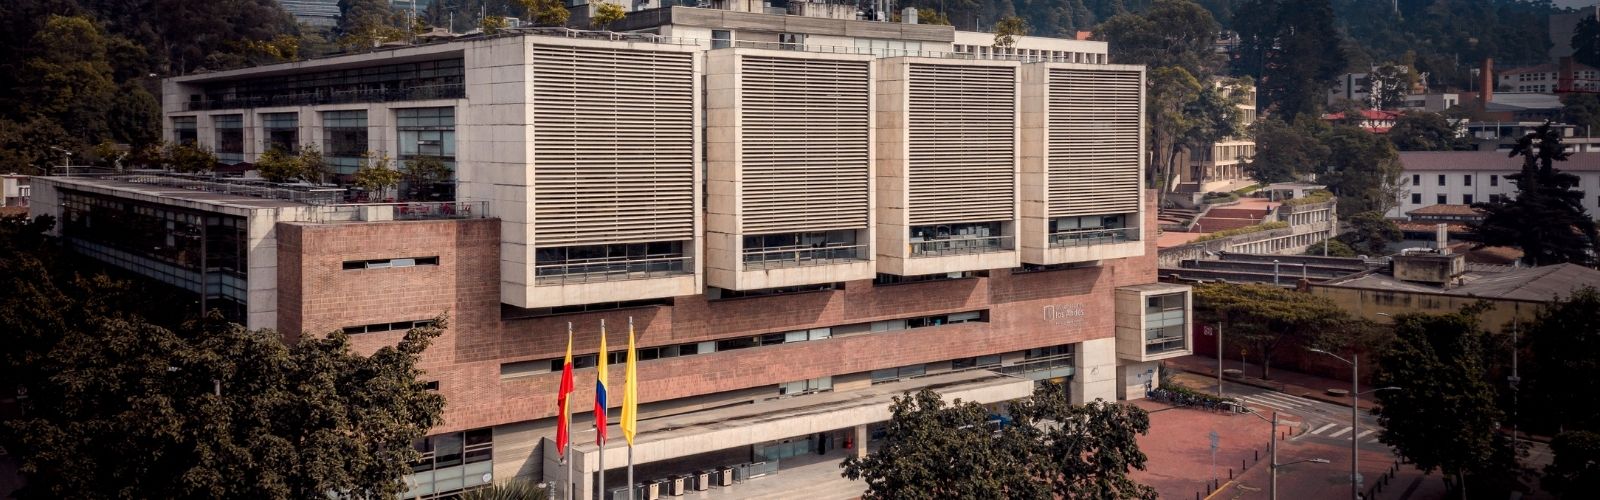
(1355, 412)
(1272, 456)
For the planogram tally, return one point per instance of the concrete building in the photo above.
(821, 221)
(14, 190)
(316, 13)
(1219, 166)
(1467, 177)
(1432, 282)
(1549, 78)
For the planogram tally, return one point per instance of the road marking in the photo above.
(1342, 432)
(1364, 434)
(1323, 428)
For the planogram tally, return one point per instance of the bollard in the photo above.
(1258, 455)
(1230, 473)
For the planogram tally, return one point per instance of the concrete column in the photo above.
(861, 441)
(1096, 366)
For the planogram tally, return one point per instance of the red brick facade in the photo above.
(317, 295)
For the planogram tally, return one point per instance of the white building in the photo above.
(1546, 78)
(1467, 177)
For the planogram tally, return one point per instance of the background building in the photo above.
(1467, 177)
(818, 213)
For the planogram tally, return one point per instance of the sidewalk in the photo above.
(1298, 384)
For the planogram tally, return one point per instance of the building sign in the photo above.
(1064, 314)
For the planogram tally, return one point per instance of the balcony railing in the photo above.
(802, 256)
(418, 93)
(419, 210)
(1163, 345)
(611, 269)
(960, 246)
(1085, 237)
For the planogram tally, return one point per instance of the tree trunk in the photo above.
(1266, 366)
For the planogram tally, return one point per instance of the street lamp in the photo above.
(1272, 455)
(1355, 411)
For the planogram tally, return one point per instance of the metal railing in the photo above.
(802, 256)
(611, 269)
(1163, 344)
(418, 210)
(255, 189)
(960, 246)
(1083, 237)
(417, 93)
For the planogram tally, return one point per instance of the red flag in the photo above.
(564, 422)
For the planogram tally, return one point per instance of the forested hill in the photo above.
(1445, 35)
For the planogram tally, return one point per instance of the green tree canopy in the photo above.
(1363, 169)
(1175, 33)
(1546, 218)
(211, 409)
(1575, 471)
(1266, 319)
(1444, 417)
(1564, 341)
(277, 165)
(1293, 50)
(937, 450)
(1370, 233)
(1335, 248)
(1426, 131)
(1284, 152)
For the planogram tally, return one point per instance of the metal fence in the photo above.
(1085, 237)
(960, 246)
(802, 256)
(611, 269)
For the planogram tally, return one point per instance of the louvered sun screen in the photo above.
(962, 143)
(1094, 142)
(613, 145)
(804, 146)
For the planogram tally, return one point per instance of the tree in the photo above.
(134, 117)
(493, 24)
(375, 175)
(1444, 417)
(934, 450)
(1293, 50)
(277, 165)
(933, 17)
(1284, 152)
(1581, 109)
(314, 166)
(1336, 248)
(189, 158)
(1371, 233)
(1084, 451)
(68, 80)
(1363, 169)
(1574, 473)
(515, 490)
(1546, 218)
(1586, 42)
(1007, 29)
(1172, 94)
(546, 12)
(1170, 33)
(606, 13)
(1214, 115)
(365, 24)
(1564, 343)
(214, 410)
(1264, 319)
(1389, 86)
(424, 171)
(25, 146)
(1426, 131)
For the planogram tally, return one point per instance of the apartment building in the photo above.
(1219, 166)
(1467, 177)
(785, 225)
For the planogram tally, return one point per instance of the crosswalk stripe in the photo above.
(1363, 434)
(1342, 432)
(1270, 400)
(1323, 428)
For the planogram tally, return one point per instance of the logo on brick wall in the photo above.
(1065, 314)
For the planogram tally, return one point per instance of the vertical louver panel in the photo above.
(1094, 142)
(804, 144)
(962, 143)
(613, 145)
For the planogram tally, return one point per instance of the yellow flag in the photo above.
(630, 392)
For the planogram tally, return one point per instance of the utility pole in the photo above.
(1514, 379)
(1219, 359)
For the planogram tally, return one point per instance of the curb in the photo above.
(1278, 388)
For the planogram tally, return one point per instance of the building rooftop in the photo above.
(1444, 209)
(1491, 161)
(1493, 282)
(146, 186)
(1521, 101)
(1544, 68)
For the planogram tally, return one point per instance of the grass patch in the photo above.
(1265, 226)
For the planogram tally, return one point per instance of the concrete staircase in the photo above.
(1223, 219)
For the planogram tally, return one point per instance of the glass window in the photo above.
(1494, 180)
(1442, 199)
(230, 138)
(1441, 179)
(1466, 180)
(1416, 198)
(282, 130)
(344, 139)
(185, 130)
(427, 132)
(1466, 199)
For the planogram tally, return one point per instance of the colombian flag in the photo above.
(600, 391)
(563, 397)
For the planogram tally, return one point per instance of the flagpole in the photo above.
(601, 432)
(566, 455)
(627, 399)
